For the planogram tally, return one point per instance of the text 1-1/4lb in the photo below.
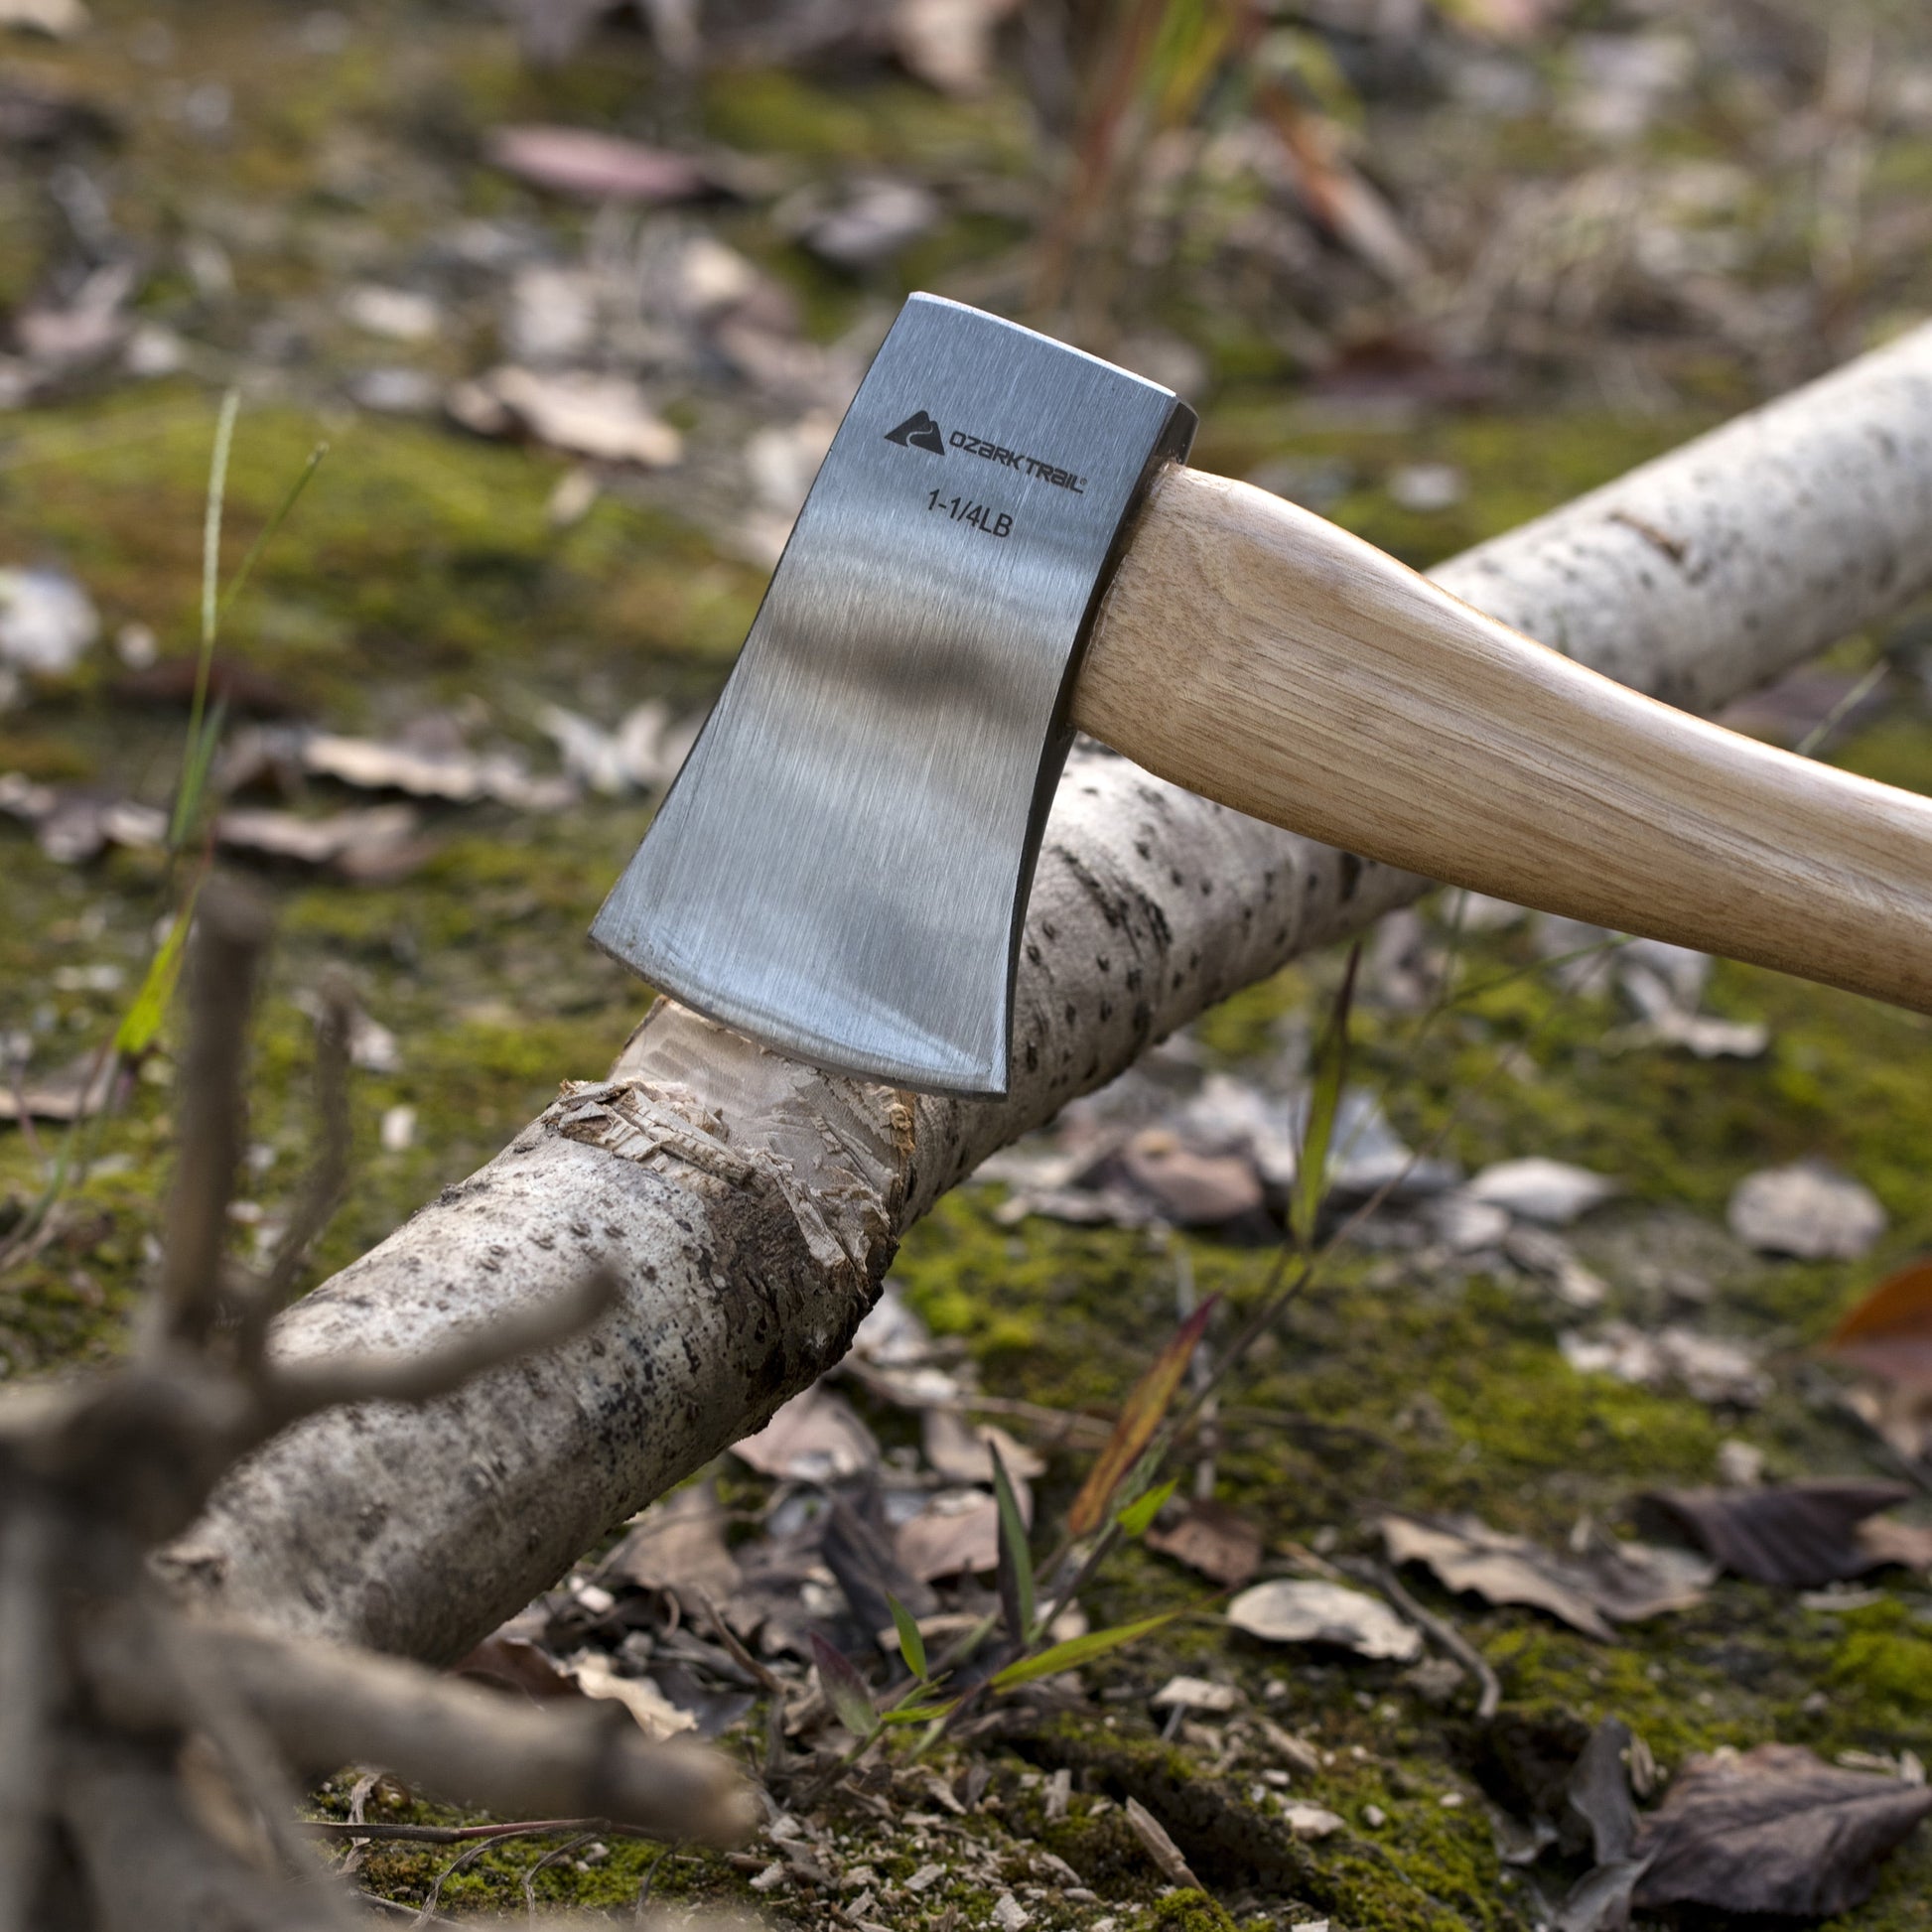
(962, 509)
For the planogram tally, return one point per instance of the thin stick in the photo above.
(15, 1082)
(1439, 1629)
(226, 949)
(358, 1848)
(29, 1686)
(217, 488)
(428, 1914)
(250, 1758)
(551, 1857)
(323, 1189)
(467, 1834)
(394, 1906)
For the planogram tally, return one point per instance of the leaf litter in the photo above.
(1773, 1828)
(1799, 1534)
(1627, 79)
(1311, 1611)
(1591, 1588)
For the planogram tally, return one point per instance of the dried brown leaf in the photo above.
(815, 1438)
(1625, 1581)
(1800, 1534)
(597, 167)
(1212, 1538)
(1889, 1333)
(1774, 1830)
(677, 1545)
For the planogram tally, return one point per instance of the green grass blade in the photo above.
(202, 744)
(1324, 1104)
(911, 1646)
(1138, 1517)
(845, 1689)
(290, 498)
(188, 798)
(142, 1021)
(218, 491)
(917, 1713)
(1079, 1650)
(1016, 1562)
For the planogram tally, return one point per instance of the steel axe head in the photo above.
(842, 866)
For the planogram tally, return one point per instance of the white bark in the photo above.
(750, 1205)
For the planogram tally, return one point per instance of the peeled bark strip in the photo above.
(749, 1206)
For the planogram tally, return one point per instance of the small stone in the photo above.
(1007, 1913)
(1465, 1225)
(1741, 1464)
(1195, 1694)
(1374, 1817)
(47, 621)
(136, 646)
(926, 1877)
(400, 315)
(769, 1879)
(1807, 1211)
(1553, 1192)
(1428, 487)
(398, 1128)
(1549, 1255)
(1310, 1821)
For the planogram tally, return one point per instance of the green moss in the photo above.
(881, 121)
(1884, 1660)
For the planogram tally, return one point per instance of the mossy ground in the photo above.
(421, 570)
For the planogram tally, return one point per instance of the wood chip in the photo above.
(1162, 1849)
(1195, 1694)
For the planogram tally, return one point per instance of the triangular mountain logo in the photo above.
(919, 432)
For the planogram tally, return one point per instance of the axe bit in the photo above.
(1003, 544)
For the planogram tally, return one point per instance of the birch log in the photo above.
(750, 1205)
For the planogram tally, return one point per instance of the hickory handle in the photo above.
(1253, 652)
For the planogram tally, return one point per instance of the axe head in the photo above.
(842, 866)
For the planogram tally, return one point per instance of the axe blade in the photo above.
(842, 867)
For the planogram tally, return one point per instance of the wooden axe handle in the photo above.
(1255, 653)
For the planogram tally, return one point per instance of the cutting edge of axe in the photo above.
(1004, 545)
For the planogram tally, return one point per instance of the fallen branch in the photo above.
(151, 1763)
(748, 1206)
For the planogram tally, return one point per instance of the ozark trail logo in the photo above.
(919, 432)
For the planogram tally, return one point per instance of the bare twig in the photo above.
(551, 1857)
(328, 1706)
(1438, 1630)
(255, 1770)
(323, 1189)
(463, 1862)
(358, 1848)
(462, 1834)
(29, 1690)
(226, 948)
(396, 1909)
(299, 1389)
(24, 1114)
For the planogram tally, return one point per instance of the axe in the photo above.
(1004, 545)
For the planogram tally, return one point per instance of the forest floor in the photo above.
(300, 203)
